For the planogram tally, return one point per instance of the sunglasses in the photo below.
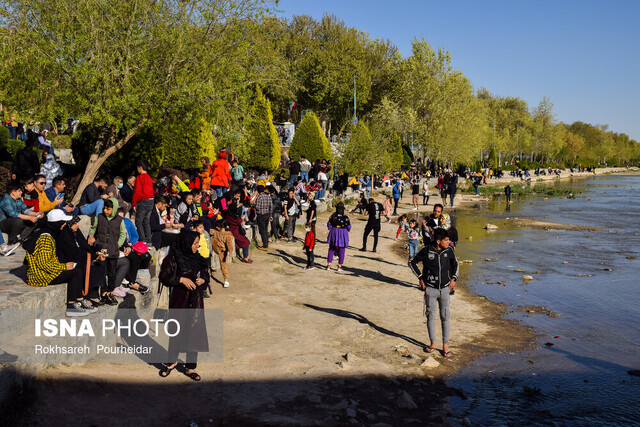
(41, 182)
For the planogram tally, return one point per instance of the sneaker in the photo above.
(76, 310)
(277, 241)
(363, 249)
(246, 227)
(226, 284)
(8, 250)
(339, 269)
(88, 306)
(262, 248)
(311, 268)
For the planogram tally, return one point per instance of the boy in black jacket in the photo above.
(437, 279)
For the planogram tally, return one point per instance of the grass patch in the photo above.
(489, 190)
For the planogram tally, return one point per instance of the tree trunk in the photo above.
(98, 158)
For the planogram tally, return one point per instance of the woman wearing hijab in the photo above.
(445, 222)
(233, 216)
(338, 239)
(73, 247)
(186, 274)
(44, 268)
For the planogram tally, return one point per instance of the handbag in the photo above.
(140, 248)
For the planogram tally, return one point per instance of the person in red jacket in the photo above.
(309, 244)
(142, 201)
(220, 176)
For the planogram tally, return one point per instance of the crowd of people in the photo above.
(181, 224)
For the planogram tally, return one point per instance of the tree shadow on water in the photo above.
(361, 319)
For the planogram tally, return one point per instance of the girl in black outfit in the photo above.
(185, 272)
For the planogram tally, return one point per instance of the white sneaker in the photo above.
(9, 249)
(226, 284)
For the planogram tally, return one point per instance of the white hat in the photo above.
(56, 215)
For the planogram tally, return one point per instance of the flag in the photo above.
(292, 105)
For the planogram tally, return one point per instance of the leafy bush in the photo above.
(13, 145)
(183, 150)
(61, 141)
(309, 141)
(265, 145)
(4, 136)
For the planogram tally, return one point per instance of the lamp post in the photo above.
(355, 115)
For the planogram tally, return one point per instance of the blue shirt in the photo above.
(396, 190)
(11, 208)
(51, 194)
(132, 233)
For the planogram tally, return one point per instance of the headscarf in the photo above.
(52, 228)
(74, 220)
(186, 260)
(445, 222)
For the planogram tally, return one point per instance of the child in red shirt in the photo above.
(309, 244)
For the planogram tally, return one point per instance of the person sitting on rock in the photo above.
(45, 269)
(110, 233)
(15, 218)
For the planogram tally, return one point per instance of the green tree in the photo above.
(359, 153)
(183, 150)
(121, 66)
(310, 141)
(263, 138)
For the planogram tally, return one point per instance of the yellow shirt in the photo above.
(204, 247)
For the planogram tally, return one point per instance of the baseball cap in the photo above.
(56, 215)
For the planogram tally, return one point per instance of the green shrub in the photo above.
(4, 136)
(13, 145)
(61, 141)
(309, 141)
(265, 147)
(183, 150)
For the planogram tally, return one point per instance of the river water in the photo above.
(590, 279)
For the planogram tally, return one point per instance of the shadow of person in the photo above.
(377, 275)
(361, 319)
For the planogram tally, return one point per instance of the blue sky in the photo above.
(583, 55)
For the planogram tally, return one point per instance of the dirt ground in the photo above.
(286, 331)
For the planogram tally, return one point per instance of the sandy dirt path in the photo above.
(286, 331)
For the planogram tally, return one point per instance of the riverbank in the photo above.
(301, 347)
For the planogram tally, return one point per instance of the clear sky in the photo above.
(583, 55)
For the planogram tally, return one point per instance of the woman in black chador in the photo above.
(185, 272)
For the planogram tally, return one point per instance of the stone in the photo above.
(430, 362)
(351, 412)
(527, 277)
(405, 401)
(343, 365)
(566, 262)
(350, 357)
(383, 414)
(490, 227)
(491, 259)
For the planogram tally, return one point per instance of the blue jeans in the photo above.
(451, 197)
(94, 208)
(219, 190)
(305, 176)
(413, 248)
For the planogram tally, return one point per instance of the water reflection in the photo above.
(588, 278)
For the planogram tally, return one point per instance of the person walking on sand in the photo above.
(415, 194)
(374, 210)
(388, 207)
(338, 239)
(425, 192)
(438, 281)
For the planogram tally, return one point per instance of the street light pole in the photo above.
(355, 115)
